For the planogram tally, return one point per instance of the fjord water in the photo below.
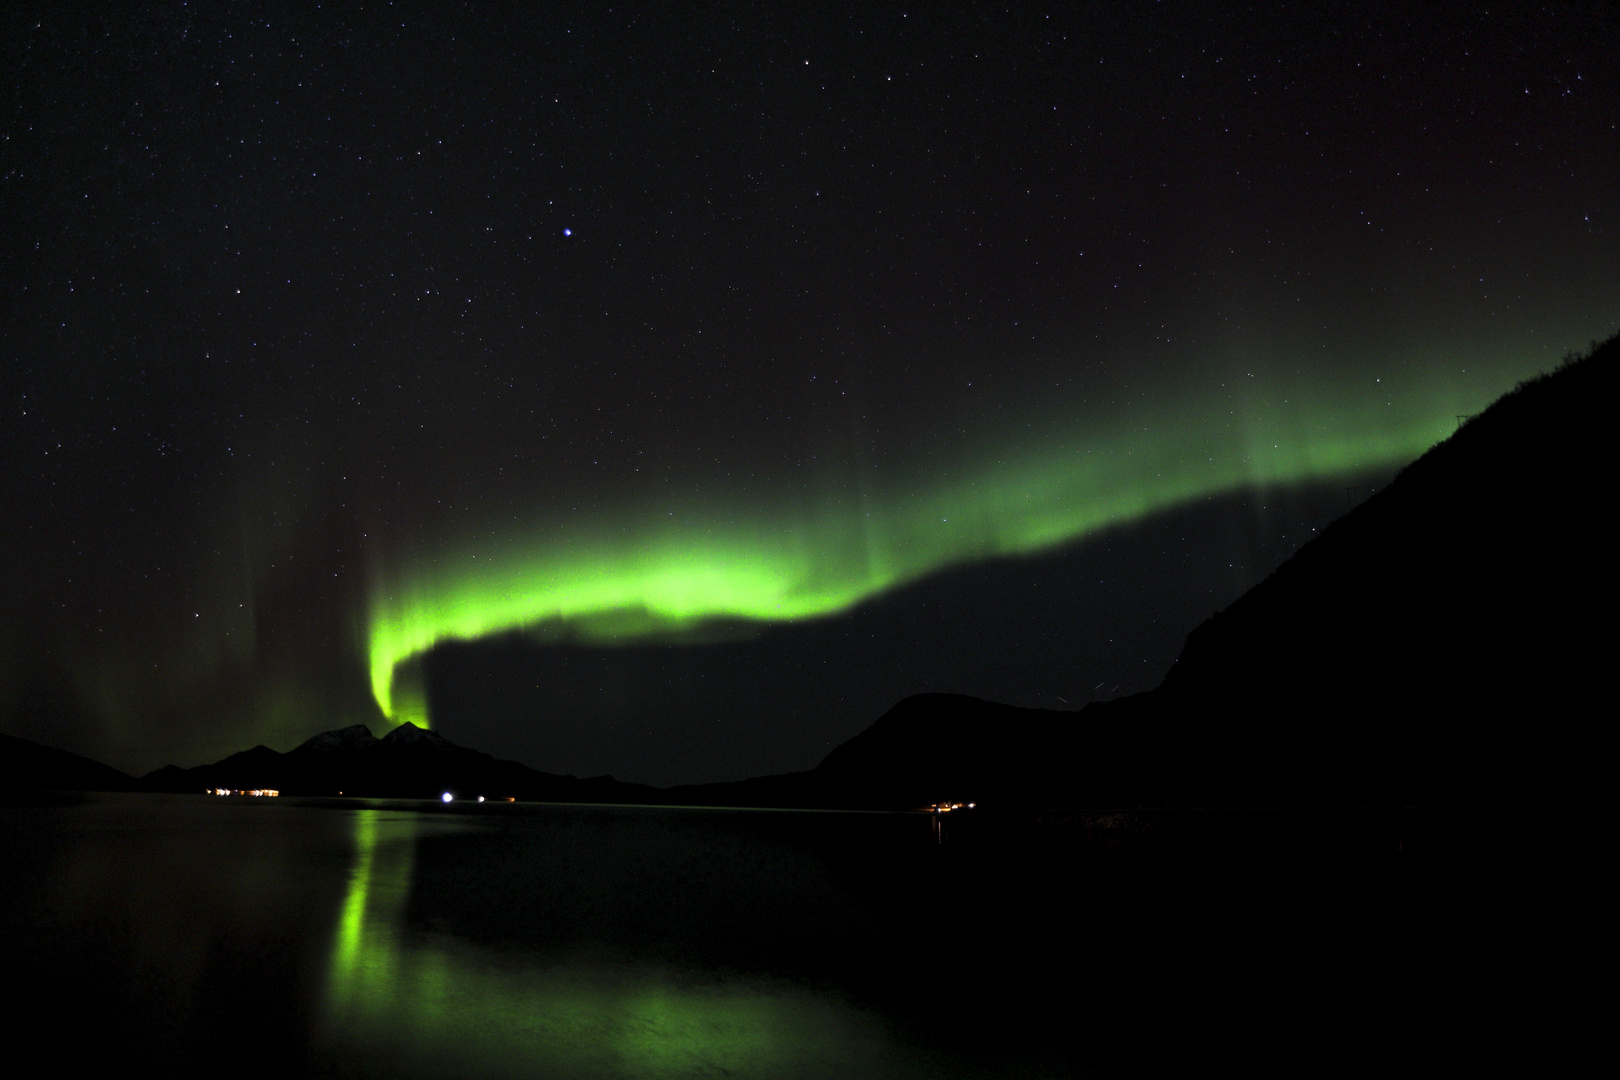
(386, 939)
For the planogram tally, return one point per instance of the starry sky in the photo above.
(665, 390)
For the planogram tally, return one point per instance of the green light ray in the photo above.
(752, 560)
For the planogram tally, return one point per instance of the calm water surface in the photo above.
(378, 939)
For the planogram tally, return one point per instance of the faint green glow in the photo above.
(762, 557)
(408, 1003)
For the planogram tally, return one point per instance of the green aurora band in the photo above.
(659, 576)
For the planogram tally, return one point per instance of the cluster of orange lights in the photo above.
(943, 807)
(264, 791)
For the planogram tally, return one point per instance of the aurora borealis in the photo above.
(660, 582)
(632, 387)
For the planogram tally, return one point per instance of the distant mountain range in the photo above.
(408, 762)
(1448, 639)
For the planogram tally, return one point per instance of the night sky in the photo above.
(666, 390)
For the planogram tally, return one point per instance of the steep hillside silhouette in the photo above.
(1446, 640)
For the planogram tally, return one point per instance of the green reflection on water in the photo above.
(402, 1002)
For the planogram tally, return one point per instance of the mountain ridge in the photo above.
(407, 762)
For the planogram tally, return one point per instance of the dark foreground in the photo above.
(179, 935)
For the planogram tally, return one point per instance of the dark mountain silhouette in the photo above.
(408, 762)
(1448, 639)
(930, 748)
(27, 764)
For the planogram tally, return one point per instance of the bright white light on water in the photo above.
(446, 796)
